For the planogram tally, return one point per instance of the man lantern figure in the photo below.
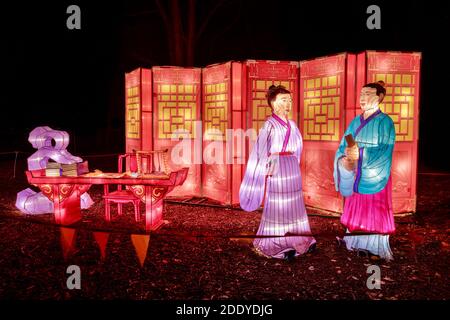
(362, 174)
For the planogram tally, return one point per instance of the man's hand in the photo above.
(352, 153)
(348, 164)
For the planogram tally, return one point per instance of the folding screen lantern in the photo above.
(401, 73)
(258, 76)
(223, 149)
(327, 105)
(138, 110)
(177, 122)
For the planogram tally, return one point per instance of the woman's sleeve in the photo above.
(299, 146)
(251, 192)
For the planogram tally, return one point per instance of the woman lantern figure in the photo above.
(273, 176)
(362, 174)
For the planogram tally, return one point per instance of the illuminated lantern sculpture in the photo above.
(41, 138)
(32, 202)
(51, 144)
(163, 100)
(176, 115)
(138, 110)
(223, 148)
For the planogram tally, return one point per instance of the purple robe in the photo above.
(273, 168)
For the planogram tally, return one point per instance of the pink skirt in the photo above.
(370, 212)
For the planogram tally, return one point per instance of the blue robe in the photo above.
(375, 137)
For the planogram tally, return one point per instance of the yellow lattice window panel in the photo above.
(216, 111)
(399, 102)
(321, 107)
(133, 112)
(177, 109)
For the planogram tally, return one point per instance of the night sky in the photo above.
(73, 80)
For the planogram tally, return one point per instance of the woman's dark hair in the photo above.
(273, 92)
(380, 86)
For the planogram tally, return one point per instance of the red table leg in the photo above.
(66, 201)
(153, 207)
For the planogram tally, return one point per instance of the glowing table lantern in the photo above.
(51, 144)
(223, 150)
(323, 119)
(65, 192)
(401, 73)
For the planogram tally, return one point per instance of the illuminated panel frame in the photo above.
(223, 83)
(327, 87)
(176, 106)
(138, 110)
(401, 73)
(216, 98)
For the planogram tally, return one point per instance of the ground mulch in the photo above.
(204, 253)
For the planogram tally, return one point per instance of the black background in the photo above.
(73, 80)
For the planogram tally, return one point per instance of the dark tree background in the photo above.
(73, 80)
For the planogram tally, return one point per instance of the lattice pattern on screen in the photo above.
(177, 105)
(216, 111)
(399, 102)
(133, 112)
(321, 108)
(260, 109)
